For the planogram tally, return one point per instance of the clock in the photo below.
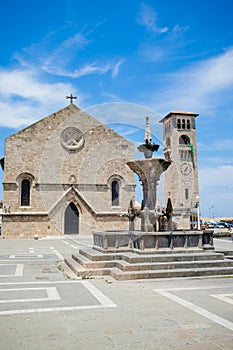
(72, 139)
(185, 169)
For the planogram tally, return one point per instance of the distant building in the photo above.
(181, 178)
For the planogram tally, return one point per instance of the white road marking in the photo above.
(196, 288)
(53, 309)
(59, 255)
(25, 257)
(199, 310)
(99, 295)
(74, 246)
(18, 270)
(79, 243)
(104, 301)
(84, 244)
(51, 292)
(224, 297)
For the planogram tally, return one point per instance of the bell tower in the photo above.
(181, 179)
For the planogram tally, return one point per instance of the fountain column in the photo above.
(149, 171)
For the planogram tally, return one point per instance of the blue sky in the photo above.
(125, 59)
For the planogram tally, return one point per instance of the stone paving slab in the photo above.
(51, 297)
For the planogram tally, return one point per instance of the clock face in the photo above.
(72, 138)
(185, 169)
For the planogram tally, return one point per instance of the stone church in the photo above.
(66, 174)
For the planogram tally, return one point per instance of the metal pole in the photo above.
(198, 212)
(198, 216)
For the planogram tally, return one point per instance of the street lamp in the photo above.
(198, 212)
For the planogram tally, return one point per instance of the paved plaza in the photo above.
(43, 306)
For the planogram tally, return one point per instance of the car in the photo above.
(211, 226)
(226, 224)
(220, 226)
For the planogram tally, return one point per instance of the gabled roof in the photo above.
(58, 117)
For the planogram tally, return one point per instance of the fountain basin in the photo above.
(138, 241)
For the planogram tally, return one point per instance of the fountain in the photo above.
(157, 250)
(149, 171)
(157, 233)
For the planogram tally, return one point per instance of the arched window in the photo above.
(184, 140)
(178, 124)
(25, 192)
(183, 123)
(188, 124)
(115, 192)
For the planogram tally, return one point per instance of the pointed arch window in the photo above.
(25, 192)
(115, 192)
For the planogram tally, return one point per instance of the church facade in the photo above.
(66, 174)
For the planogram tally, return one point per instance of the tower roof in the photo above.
(178, 113)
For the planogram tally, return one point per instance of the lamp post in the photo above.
(198, 212)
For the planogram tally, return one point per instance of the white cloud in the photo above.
(216, 189)
(111, 97)
(86, 69)
(25, 98)
(148, 18)
(218, 145)
(116, 68)
(57, 59)
(200, 86)
(79, 41)
(26, 84)
(223, 172)
(177, 29)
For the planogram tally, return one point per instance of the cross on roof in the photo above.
(71, 97)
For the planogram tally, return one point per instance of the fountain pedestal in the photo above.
(149, 172)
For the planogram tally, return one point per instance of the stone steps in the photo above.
(87, 264)
(228, 253)
(79, 271)
(148, 274)
(197, 256)
(94, 255)
(124, 266)
(128, 265)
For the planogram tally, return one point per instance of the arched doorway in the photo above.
(71, 219)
